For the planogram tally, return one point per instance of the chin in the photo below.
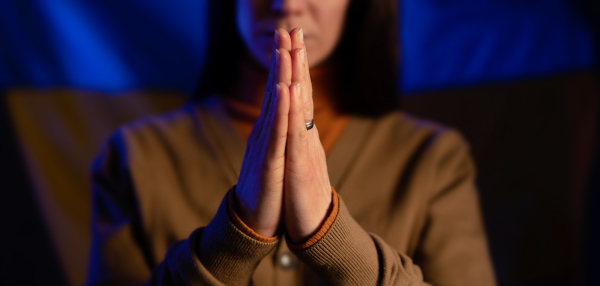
(315, 60)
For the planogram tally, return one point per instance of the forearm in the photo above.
(228, 251)
(219, 254)
(347, 255)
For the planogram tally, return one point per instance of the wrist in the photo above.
(322, 229)
(243, 219)
(308, 227)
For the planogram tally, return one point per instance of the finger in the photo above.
(300, 76)
(284, 76)
(278, 129)
(297, 141)
(297, 36)
(281, 43)
(282, 39)
(301, 71)
(284, 67)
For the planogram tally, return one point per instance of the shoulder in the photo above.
(407, 131)
(163, 125)
(424, 147)
(183, 125)
(434, 154)
(151, 136)
(136, 137)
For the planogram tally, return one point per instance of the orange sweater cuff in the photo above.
(326, 225)
(237, 221)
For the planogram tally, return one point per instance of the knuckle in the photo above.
(299, 135)
(282, 86)
(275, 136)
(285, 55)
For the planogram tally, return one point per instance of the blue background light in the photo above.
(112, 46)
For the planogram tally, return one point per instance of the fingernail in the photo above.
(278, 56)
(301, 36)
(276, 39)
(297, 88)
(278, 90)
(302, 56)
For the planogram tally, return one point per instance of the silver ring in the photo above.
(310, 125)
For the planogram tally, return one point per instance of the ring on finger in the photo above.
(310, 124)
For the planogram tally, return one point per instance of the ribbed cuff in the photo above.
(345, 254)
(227, 252)
(237, 221)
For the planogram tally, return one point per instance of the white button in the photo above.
(287, 261)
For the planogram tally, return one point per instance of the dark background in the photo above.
(517, 77)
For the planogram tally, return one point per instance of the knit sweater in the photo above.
(405, 197)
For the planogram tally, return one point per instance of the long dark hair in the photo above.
(367, 53)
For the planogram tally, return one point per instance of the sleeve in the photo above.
(347, 255)
(218, 254)
(453, 249)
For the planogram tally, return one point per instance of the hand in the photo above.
(285, 163)
(307, 192)
(259, 192)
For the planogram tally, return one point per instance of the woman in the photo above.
(407, 185)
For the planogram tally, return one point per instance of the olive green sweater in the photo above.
(406, 197)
